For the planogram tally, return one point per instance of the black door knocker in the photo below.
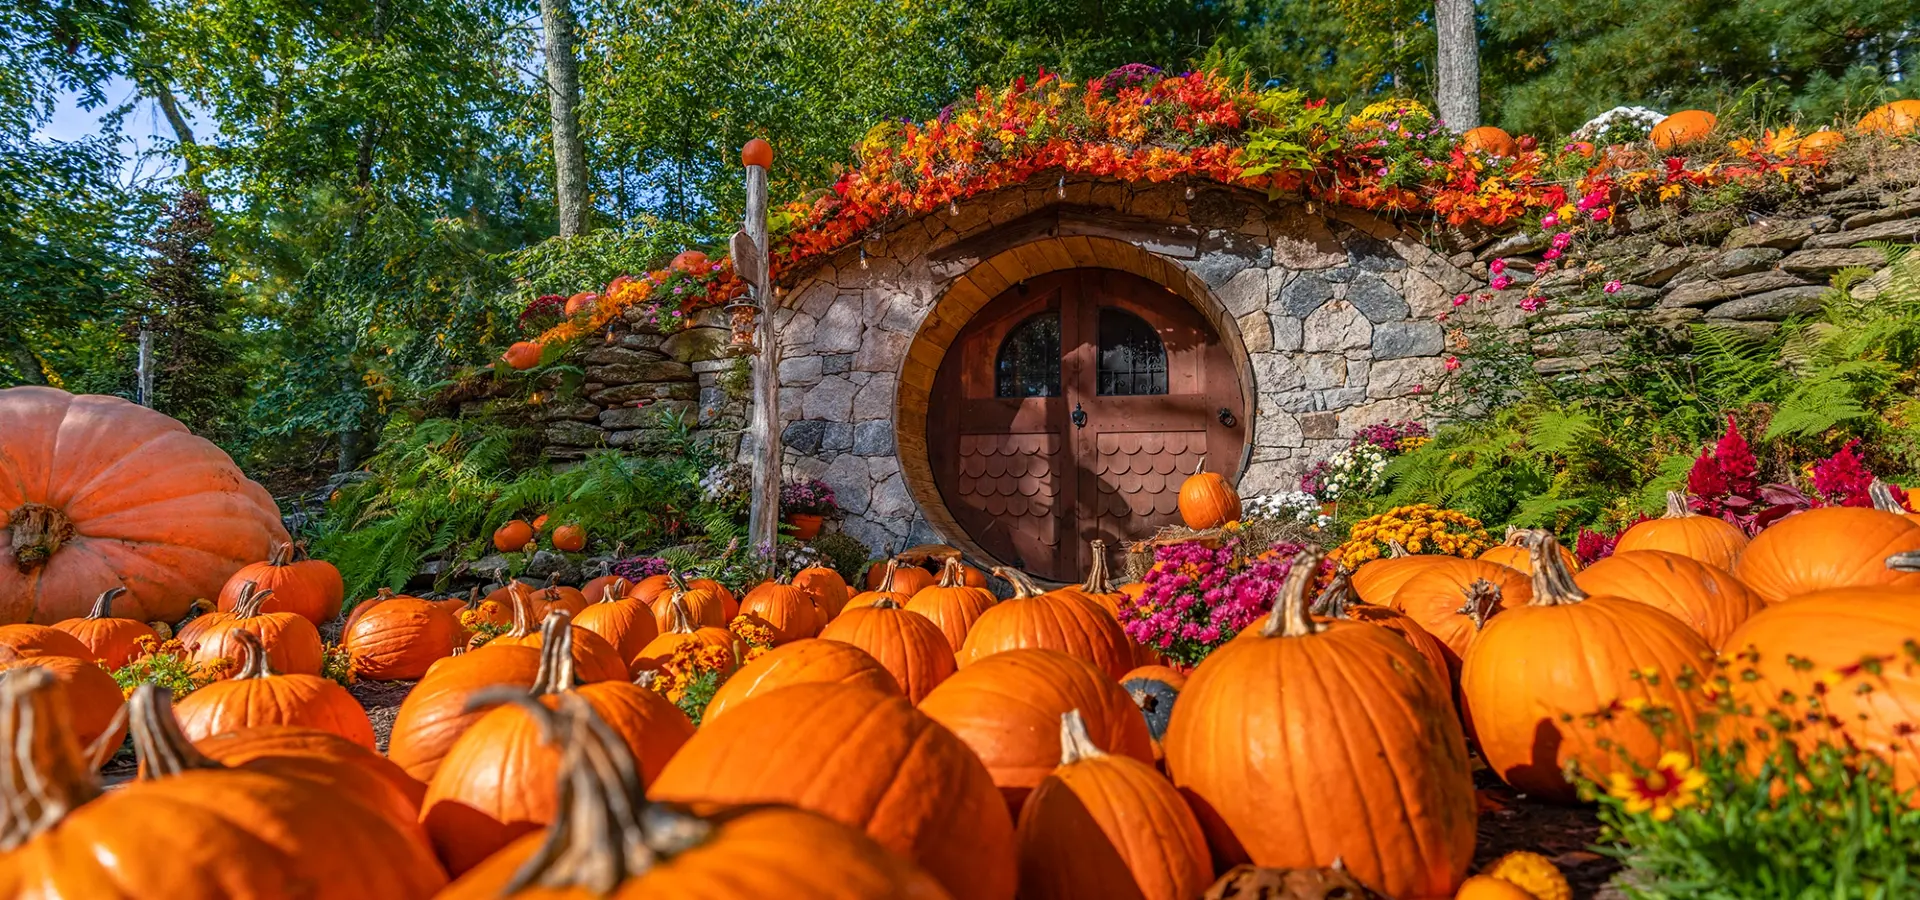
(1226, 417)
(1079, 416)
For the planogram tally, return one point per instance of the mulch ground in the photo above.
(1564, 834)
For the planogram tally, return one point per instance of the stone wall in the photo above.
(636, 376)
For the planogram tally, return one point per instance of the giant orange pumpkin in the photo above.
(293, 644)
(497, 780)
(622, 621)
(1557, 682)
(1832, 547)
(78, 843)
(1708, 598)
(399, 638)
(1342, 709)
(257, 695)
(801, 662)
(1452, 599)
(873, 762)
(435, 714)
(1106, 825)
(1892, 119)
(1709, 539)
(1489, 140)
(608, 841)
(1068, 623)
(1002, 705)
(785, 608)
(907, 644)
(1686, 127)
(309, 587)
(952, 604)
(1207, 500)
(101, 493)
(112, 640)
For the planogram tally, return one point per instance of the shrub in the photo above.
(845, 554)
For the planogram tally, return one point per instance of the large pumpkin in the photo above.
(91, 697)
(399, 638)
(622, 621)
(1338, 601)
(907, 644)
(608, 841)
(83, 843)
(109, 638)
(1099, 584)
(865, 758)
(785, 608)
(1068, 623)
(1453, 599)
(1686, 127)
(21, 641)
(1708, 598)
(898, 582)
(1106, 825)
(1893, 119)
(1377, 580)
(293, 644)
(523, 355)
(952, 604)
(1207, 500)
(801, 662)
(435, 712)
(323, 748)
(1832, 547)
(101, 493)
(1284, 740)
(1002, 705)
(513, 536)
(310, 587)
(257, 695)
(1514, 555)
(1709, 539)
(1564, 680)
(826, 587)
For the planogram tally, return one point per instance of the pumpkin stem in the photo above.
(1677, 507)
(646, 679)
(255, 665)
(1290, 617)
(680, 617)
(1023, 586)
(1483, 600)
(38, 531)
(1908, 561)
(612, 591)
(885, 603)
(950, 576)
(43, 773)
(158, 743)
(886, 575)
(1883, 500)
(300, 551)
(251, 597)
(1200, 466)
(1075, 743)
(1552, 582)
(1397, 550)
(1336, 596)
(1098, 582)
(556, 655)
(103, 605)
(281, 555)
(522, 610)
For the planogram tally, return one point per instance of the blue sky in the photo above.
(144, 128)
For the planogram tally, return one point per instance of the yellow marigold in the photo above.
(1532, 873)
(751, 629)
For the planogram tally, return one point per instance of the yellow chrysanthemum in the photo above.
(1532, 873)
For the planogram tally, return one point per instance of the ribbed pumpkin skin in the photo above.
(90, 694)
(1829, 632)
(1827, 548)
(433, 714)
(1429, 647)
(497, 780)
(624, 623)
(1707, 539)
(1433, 597)
(1518, 559)
(1535, 664)
(108, 638)
(388, 792)
(237, 747)
(754, 853)
(1208, 501)
(1110, 827)
(1377, 581)
(1291, 765)
(786, 608)
(559, 596)
(1002, 707)
(594, 659)
(1709, 599)
(307, 701)
(704, 606)
(907, 644)
(801, 662)
(871, 761)
(1487, 887)
(23, 641)
(952, 609)
(293, 644)
(827, 588)
(1070, 624)
(595, 589)
(311, 588)
(154, 509)
(400, 638)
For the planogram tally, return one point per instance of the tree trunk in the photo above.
(27, 362)
(563, 99)
(1458, 72)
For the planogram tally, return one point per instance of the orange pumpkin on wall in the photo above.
(1207, 500)
(1688, 126)
(522, 355)
(1489, 140)
(570, 538)
(1893, 119)
(512, 537)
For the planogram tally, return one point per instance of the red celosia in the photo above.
(1842, 479)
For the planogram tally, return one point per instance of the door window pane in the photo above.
(1133, 362)
(1029, 360)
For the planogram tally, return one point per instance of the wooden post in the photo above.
(750, 261)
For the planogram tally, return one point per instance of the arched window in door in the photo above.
(1133, 361)
(1029, 360)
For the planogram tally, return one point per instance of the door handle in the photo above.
(1226, 417)
(1079, 416)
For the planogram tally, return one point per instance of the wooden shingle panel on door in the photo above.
(1037, 451)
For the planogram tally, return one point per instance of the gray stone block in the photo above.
(645, 416)
(1376, 299)
(800, 370)
(873, 438)
(1828, 261)
(836, 364)
(1397, 340)
(574, 434)
(698, 343)
(1708, 292)
(639, 372)
(1904, 231)
(614, 354)
(804, 436)
(838, 437)
(1336, 327)
(1771, 306)
(658, 390)
(1786, 234)
(1306, 292)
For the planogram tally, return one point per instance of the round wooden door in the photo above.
(1070, 408)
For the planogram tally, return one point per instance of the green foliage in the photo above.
(336, 664)
(192, 322)
(844, 554)
(587, 262)
(698, 693)
(168, 666)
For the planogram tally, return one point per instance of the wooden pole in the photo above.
(763, 526)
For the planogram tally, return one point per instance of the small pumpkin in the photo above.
(1489, 140)
(570, 538)
(1107, 825)
(1892, 119)
(827, 588)
(398, 639)
(596, 588)
(257, 695)
(1068, 623)
(703, 605)
(1684, 128)
(1709, 539)
(1453, 599)
(801, 662)
(435, 712)
(907, 644)
(1377, 580)
(951, 604)
(512, 537)
(293, 644)
(621, 620)
(522, 355)
(1826, 548)
(1487, 887)
(1708, 598)
(785, 608)
(1822, 141)
(896, 584)
(682, 630)
(584, 301)
(690, 262)
(593, 658)
(1513, 555)
(1532, 873)
(114, 641)
(310, 587)
(1154, 690)
(1207, 500)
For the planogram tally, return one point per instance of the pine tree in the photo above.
(197, 374)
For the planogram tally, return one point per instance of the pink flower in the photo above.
(1453, 362)
(1459, 299)
(1561, 240)
(1531, 303)
(1613, 287)
(1549, 220)
(1552, 253)
(1419, 389)
(1497, 266)
(1502, 283)
(1542, 268)
(1602, 214)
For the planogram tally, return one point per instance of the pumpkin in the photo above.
(593, 658)
(1489, 140)
(1377, 580)
(1098, 587)
(23, 641)
(703, 605)
(827, 589)
(1001, 707)
(1688, 126)
(951, 604)
(1070, 624)
(690, 262)
(729, 604)
(785, 608)
(316, 748)
(1341, 708)
(681, 631)
(1852, 648)
(581, 302)
(1821, 141)
(1207, 500)
(1709, 539)
(113, 641)
(1511, 554)
(103, 493)
(1554, 683)
(1154, 690)
(907, 644)
(1338, 601)
(512, 537)
(1532, 873)
(523, 355)
(497, 780)
(91, 697)
(293, 644)
(435, 712)
(1487, 887)
(1883, 499)
(570, 538)
(1708, 598)
(1453, 599)
(399, 638)
(310, 587)
(608, 841)
(558, 596)
(801, 662)
(257, 695)
(622, 621)
(756, 152)
(896, 584)
(869, 760)
(1892, 119)
(283, 832)
(649, 589)
(596, 587)
(1831, 547)
(1106, 825)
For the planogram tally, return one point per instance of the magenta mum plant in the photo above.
(1197, 598)
(811, 498)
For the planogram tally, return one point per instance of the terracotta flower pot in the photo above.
(806, 526)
